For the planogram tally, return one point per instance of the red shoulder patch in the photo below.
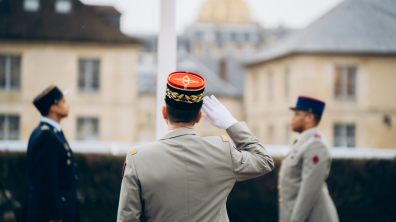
(291, 157)
(315, 160)
(123, 169)
(318, 136)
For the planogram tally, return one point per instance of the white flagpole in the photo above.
(166, 59)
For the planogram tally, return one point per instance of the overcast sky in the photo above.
(142, 16)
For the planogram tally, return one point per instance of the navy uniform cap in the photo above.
(310, 105)
(47, 98)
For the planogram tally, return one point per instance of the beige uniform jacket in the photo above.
(184, 177)
(303, 193)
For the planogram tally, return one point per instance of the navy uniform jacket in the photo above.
(52, 177)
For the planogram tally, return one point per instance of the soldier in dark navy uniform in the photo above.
(51, 169)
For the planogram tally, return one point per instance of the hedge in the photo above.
(362, 190)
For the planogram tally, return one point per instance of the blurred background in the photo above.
(257, 56)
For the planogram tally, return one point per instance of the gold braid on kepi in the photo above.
(185, 90)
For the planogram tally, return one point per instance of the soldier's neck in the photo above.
(54, 117)
(180, 126)
(308, 128)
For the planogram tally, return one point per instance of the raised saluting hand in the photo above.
(217, 114)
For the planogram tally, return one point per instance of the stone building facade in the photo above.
(76, 47)
(345, 58)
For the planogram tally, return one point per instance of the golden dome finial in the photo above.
(225, 12)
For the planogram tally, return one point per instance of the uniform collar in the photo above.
(51, 122)
(177, 133)
(308, 133)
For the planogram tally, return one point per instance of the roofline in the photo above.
(109, 8)
(351, 53)
(87, 42)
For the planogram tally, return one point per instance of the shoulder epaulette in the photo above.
(133, 151)
(225, 139)
(44, 127)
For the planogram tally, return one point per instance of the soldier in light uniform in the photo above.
(184, 177)
(303, 193)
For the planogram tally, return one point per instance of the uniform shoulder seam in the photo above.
(138, 148)
(215, 138)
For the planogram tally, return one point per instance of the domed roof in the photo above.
(225, 12)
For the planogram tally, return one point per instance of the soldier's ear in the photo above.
(164, 113)
(52, 109)
(311, 118)
(199, 117)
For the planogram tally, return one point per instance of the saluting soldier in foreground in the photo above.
(303, 193)
(51, 171)
(183, 177)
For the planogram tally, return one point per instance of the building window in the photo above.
(63, 6)
(10, 72)
(31, 5)
(287, 82)
(344, 135)
(9, 127)
(87, 128)
(270, 136)
(270, 86)
(345, 82)
(88, 76)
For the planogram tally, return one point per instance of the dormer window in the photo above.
(63, 6)
(31, 5)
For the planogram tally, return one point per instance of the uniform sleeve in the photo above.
(46, 160)
(250, 159)
(130, 206)
(315, 169)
